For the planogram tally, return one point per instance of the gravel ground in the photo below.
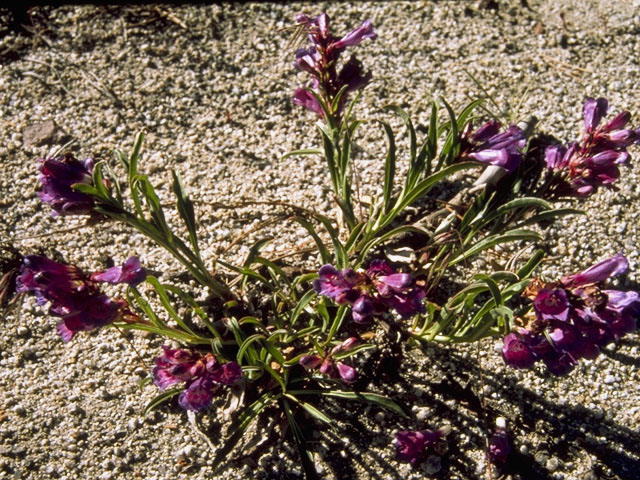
(211, 86)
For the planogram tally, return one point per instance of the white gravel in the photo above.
(211, 86)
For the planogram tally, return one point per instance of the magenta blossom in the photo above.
(574, 319)
(320, 60)
(499, 446)
(611, 267)
(371, 293)
(72, 296)
(203, 375)
(57, 175)
(412, 446)
(329, 366)
(130, 272)
(487, 145)
(579, 169)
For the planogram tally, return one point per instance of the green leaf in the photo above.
(389, 167)
(550, 215)
(273, 350)
(145, 307)
(432, 137)
(166, 303)
(305, 455)
(132, 170)
(420, 190)
(299, 308)
(493, 288)
(531, 265)
(308, 226)
(313, 411)
(245, 346)
(493, 240)
(87, 189)
(366, 397)
(303, 151)
(449, 150)
(337, 322)
(158, 400)
(98, 181)
(186, 211)
(342, 257)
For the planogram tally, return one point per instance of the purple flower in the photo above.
(203, 375)
(329, 366)
(373, 292)
(552, 303)
(346, 345)
(175, 366)
(310, 362)
(72, 296)
(49, 280)
(487, 145)
(347, 373)
(130, 272)
(594, 111)
(305, 99)
(557, 157)
(320, 60)
(363, 310)
(516, 351)
(354, 37)
(580, 169)
(225, 374)
(412, 446)
(89, 312)
(198, 395)
(599, 272)
(575, 318)
(57, 175)
(499, 446)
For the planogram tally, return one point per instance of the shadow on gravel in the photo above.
(566, 433)
(551, 431)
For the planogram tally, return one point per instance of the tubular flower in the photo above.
(574, 318)
(371, 293)
(72, 296)
(203, 375)
(581, 168)
(412, 446)
(130, 272)
(57, 175)
(487, 145)
(329, 366)
(320, 61)
(499, 446)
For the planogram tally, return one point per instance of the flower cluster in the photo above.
(320, 61)
(73, 297)
(203, 374)
(329, 366)
(414, 446)
(582, 167)
(490, 146)
(57, 175)
(574, 318)
(371, 293)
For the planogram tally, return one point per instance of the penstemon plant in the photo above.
(301, 341)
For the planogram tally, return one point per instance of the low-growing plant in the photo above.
(299, 341)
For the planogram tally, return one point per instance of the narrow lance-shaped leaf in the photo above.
(389, 167)
(158, 400)
(186, 211)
